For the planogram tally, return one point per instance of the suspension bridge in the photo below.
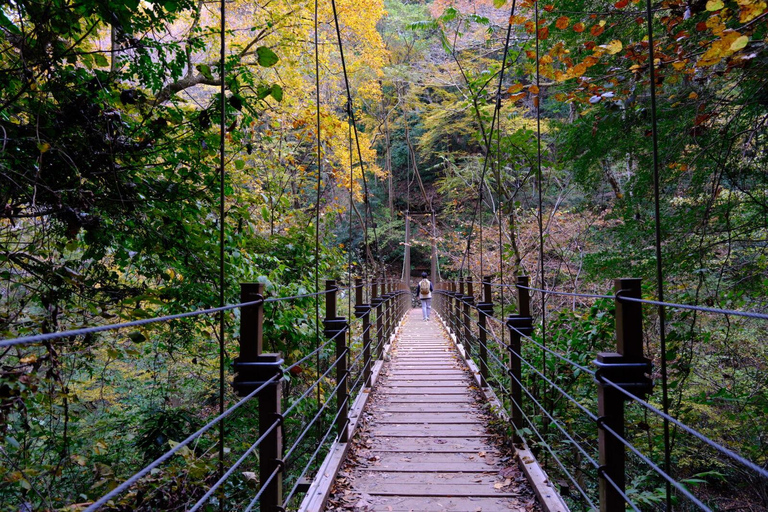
(419, 397)
(472, 411)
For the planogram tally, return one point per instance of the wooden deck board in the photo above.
(426, 446)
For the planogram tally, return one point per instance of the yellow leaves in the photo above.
(715, 5)
(43, 147)
(613, 47)
(739, 43)
(533, 88)
(715, 24)
(693, 96)
(749, 9)
(515, 88)
(722, 48)
(679, 65)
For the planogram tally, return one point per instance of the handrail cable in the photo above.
(167, 455)
(623, 494)
(624, 441)
(264, 487)
(554, 353)
(234, 467)
(309, 425)
(36, 338)
(705, 309)
(701, 437)
(589, 413)
(692, 307)
(656, 468)
(557, 423)
(547, 447)
(316, 382)
(314, 455)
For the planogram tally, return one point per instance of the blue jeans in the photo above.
(426, 308)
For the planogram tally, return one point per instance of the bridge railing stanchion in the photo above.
(468, 300)
(252, 370)
(336, 326)
(628, 368)
(451, 307)
(363, 311)
(376, 301)
(484, 310)
(519, 325)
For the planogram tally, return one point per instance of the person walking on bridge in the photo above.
(424, 291)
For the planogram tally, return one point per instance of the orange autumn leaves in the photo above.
(725, 32)
(729, 39)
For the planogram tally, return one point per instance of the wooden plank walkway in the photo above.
(425, 446)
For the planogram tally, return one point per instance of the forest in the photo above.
(155, 155)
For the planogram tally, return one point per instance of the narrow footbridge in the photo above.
(471, 411)
(425, 444)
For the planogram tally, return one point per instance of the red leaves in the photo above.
(579, 27)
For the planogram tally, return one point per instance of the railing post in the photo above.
(336, 326)
(252, 370)
(376, 301)
(364, 311)
(386, 312)
(627, 368)
(452, 309)
(468, 300)
(519, 325)
(484, 310)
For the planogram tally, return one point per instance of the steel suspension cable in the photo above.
(354, 122)
(222, 233)
(539, 186)
(317, 200)
(659, 261)
(488, 151)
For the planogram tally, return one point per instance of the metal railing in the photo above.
(260, 376)
(620, 377)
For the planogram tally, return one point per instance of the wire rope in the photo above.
(317, 196)
(488, 151)
(222, 232)
(170, 453)
(701, 437)
(234, 466)
(657, 247)
(656, 468)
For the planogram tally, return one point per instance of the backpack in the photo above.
(424, 287)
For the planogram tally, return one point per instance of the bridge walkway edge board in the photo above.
(548, 497)
(420, 450)
(320, 488)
